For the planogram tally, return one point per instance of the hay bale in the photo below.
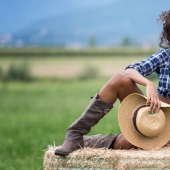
(92, 158)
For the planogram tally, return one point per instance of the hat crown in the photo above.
(150, 124)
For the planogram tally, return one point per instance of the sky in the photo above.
(15, 14)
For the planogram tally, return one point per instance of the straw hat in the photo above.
(140, 127)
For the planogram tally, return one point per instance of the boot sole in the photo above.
(61, 153)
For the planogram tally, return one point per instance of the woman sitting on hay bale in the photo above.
(123, 86)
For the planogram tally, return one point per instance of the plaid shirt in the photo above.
(160, 64)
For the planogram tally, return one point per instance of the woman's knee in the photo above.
(119, 80)
(118, 87)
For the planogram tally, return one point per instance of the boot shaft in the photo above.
(96, 110)
(99, 141)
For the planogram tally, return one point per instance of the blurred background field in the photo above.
(51, 62)
(54, 55)
(36, 111)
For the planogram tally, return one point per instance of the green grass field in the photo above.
(36, 114)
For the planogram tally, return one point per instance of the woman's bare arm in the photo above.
(152, 97)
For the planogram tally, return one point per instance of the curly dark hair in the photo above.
(164, 17)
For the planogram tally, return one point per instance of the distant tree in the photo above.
(126, 41)
(92, 41)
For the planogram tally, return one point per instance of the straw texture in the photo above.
(98, 159)
(149, 124)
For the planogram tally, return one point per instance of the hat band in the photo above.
(135, 116)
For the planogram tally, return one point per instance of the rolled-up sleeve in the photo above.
(150, 64)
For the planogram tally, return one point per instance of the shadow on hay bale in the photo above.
(92, 158)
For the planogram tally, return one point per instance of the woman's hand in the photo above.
(152, 97)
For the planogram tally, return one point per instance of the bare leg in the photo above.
(118, 87)
(122, 143)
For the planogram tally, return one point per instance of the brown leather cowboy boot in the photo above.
(96, 110)
(99, 141)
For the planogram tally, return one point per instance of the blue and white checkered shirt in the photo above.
(160, 64)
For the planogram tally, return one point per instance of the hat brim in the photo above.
(125, 114)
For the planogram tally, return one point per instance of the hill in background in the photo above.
(97, 23)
